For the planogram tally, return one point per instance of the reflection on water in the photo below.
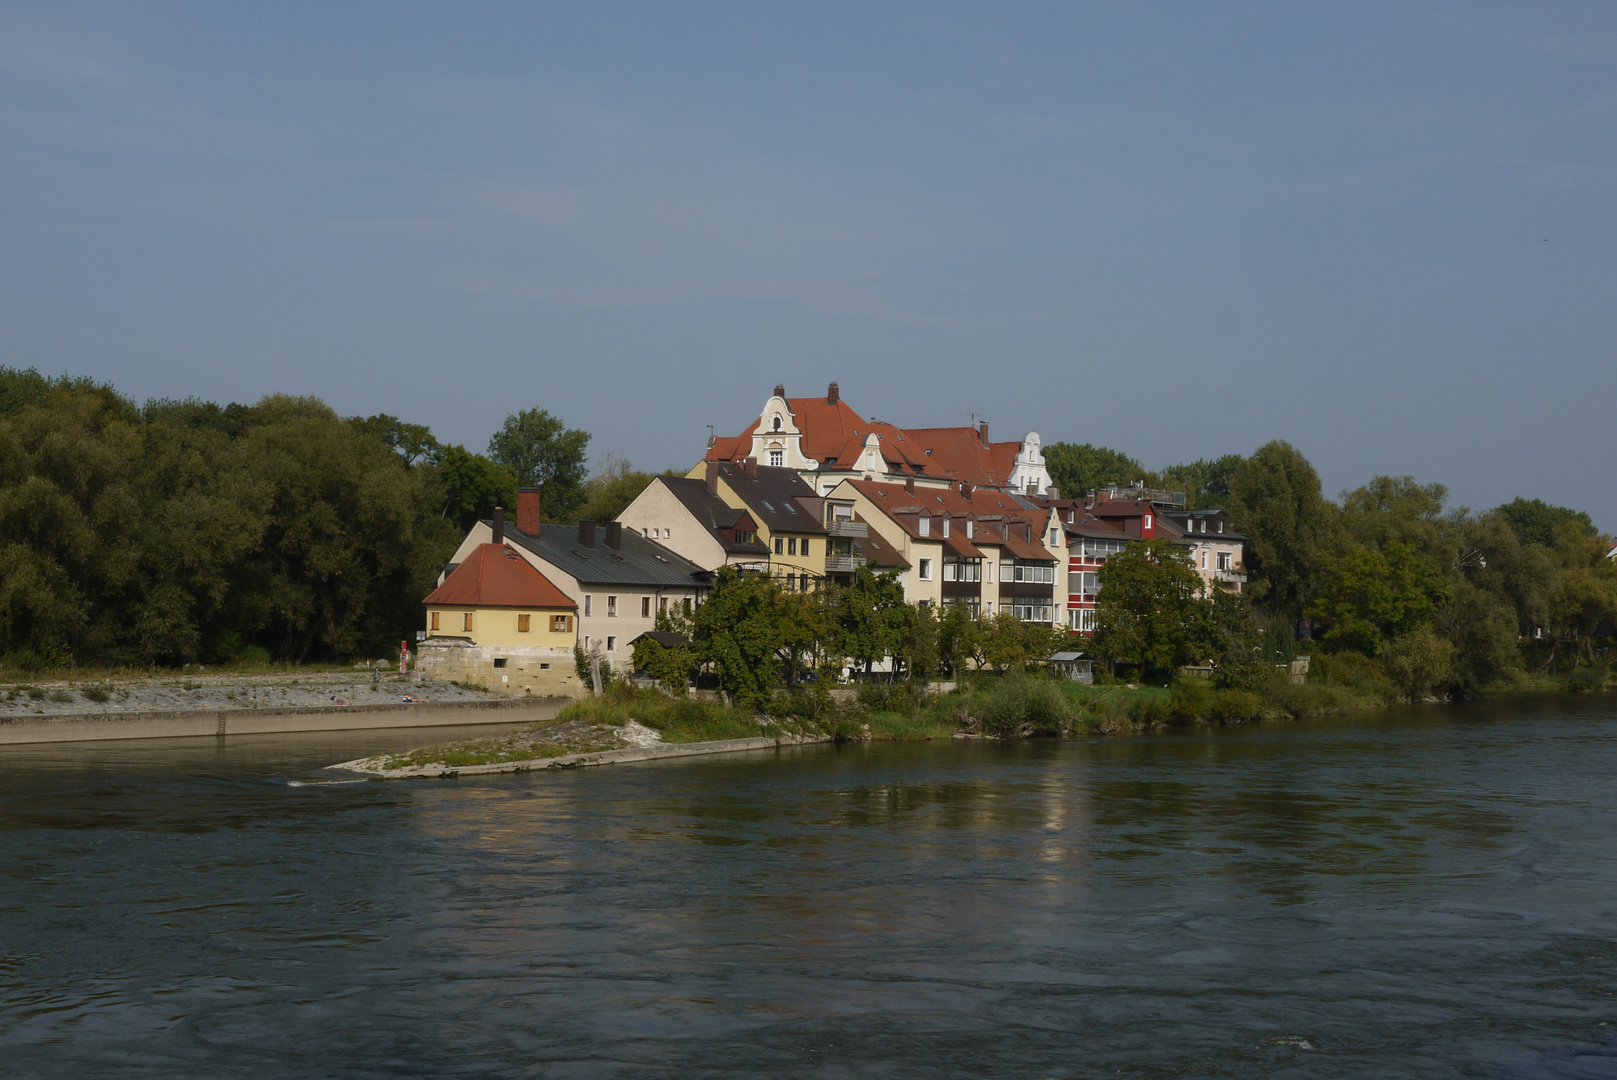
(1421, 893)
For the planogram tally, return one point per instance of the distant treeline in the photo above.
(1455, 599)
(183, 531)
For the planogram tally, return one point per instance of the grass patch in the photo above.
(97, 693)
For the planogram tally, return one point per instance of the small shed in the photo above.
(1072, 665)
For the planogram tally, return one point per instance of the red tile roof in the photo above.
(496, 576)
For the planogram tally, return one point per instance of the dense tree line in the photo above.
(180, 531)
(1440, 597)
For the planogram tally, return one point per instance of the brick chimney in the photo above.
(982, 429)
(832, 394)
(965, 491)
(780, 390)
(586, 533)
(614, 535)
(909, 484)
(528, 510)
(750, 467)
(713, 478)
(499, 526)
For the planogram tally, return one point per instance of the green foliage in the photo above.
(1374, 594)
(1206, 483)
(1078, 470)
(673, 667)
(541, 451)
(1147, 609)
(1006, 643)
(1418, 662)
(959, 636)
(614, 486)
(872, 618)
(1023, 705)
(412, 442)
(472, 486)
(1585, 679)
(1227, 634)
(1275, 501)
(738, 631)
(921, 649)
(1537, 522)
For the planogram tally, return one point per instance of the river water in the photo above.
(1429, 892)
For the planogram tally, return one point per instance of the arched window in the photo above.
(777, 423)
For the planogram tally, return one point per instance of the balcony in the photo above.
(844, 527)
(1233, 577)
(843, 564)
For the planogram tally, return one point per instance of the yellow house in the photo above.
(499, 623)
(789, 517)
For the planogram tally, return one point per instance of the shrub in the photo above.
(1418, 661)
(61, 696)
(1584, 680)
(1236, 706)
(1148, 708)
(1018, 705)
(97, 693)
(1192, 699)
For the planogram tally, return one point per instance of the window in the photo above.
(805, 545)
(780, 546)
(946, 528)
(1221, 526)
(1223, 560)
(926, 569)
(1055, 537)
(791, 545)
(466, 621)
(1204, 558)
(662, 603)
(611, 643)
(499, 661)
(1148, 521)
(968, 529)
(1081, 619)
(802, 581)
(544, 667)
(988, 566)
(524, 623)
(777, 458)
(558, 624)
(611, 607)
(588, 604)
(432, 621)
(645, 607)
(924, 526)
(777, 423)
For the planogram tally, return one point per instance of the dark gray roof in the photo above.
(638, 561)
(715, 515)
(777, 497)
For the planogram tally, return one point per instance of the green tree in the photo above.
(471, 485)
(1398, 510)
(1226, 634)
(1372, 595)
(1078, 470)
(614, 486)
(1418, 662)
(1205, 482)
(1537, 522)
(959, 631)
(921, 654)
(541, 451)
(1009, 644)
(412, 442)
(873, 619)
(737, 631)
(1275, 500)
(1147, 606)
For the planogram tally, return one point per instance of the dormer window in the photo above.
(924, 526)
(945, 528)
(969, 529)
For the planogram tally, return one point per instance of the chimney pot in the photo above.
(614, 534)
(499, 525)
(528, 510)
(586, 532)
(832, 394)
(780, 390)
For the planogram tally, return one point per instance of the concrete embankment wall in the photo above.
(168, 725)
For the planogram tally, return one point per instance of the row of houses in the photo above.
(809, 493)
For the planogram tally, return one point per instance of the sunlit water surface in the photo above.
(1430, 892)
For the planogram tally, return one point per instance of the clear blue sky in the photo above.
(1384, 232)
